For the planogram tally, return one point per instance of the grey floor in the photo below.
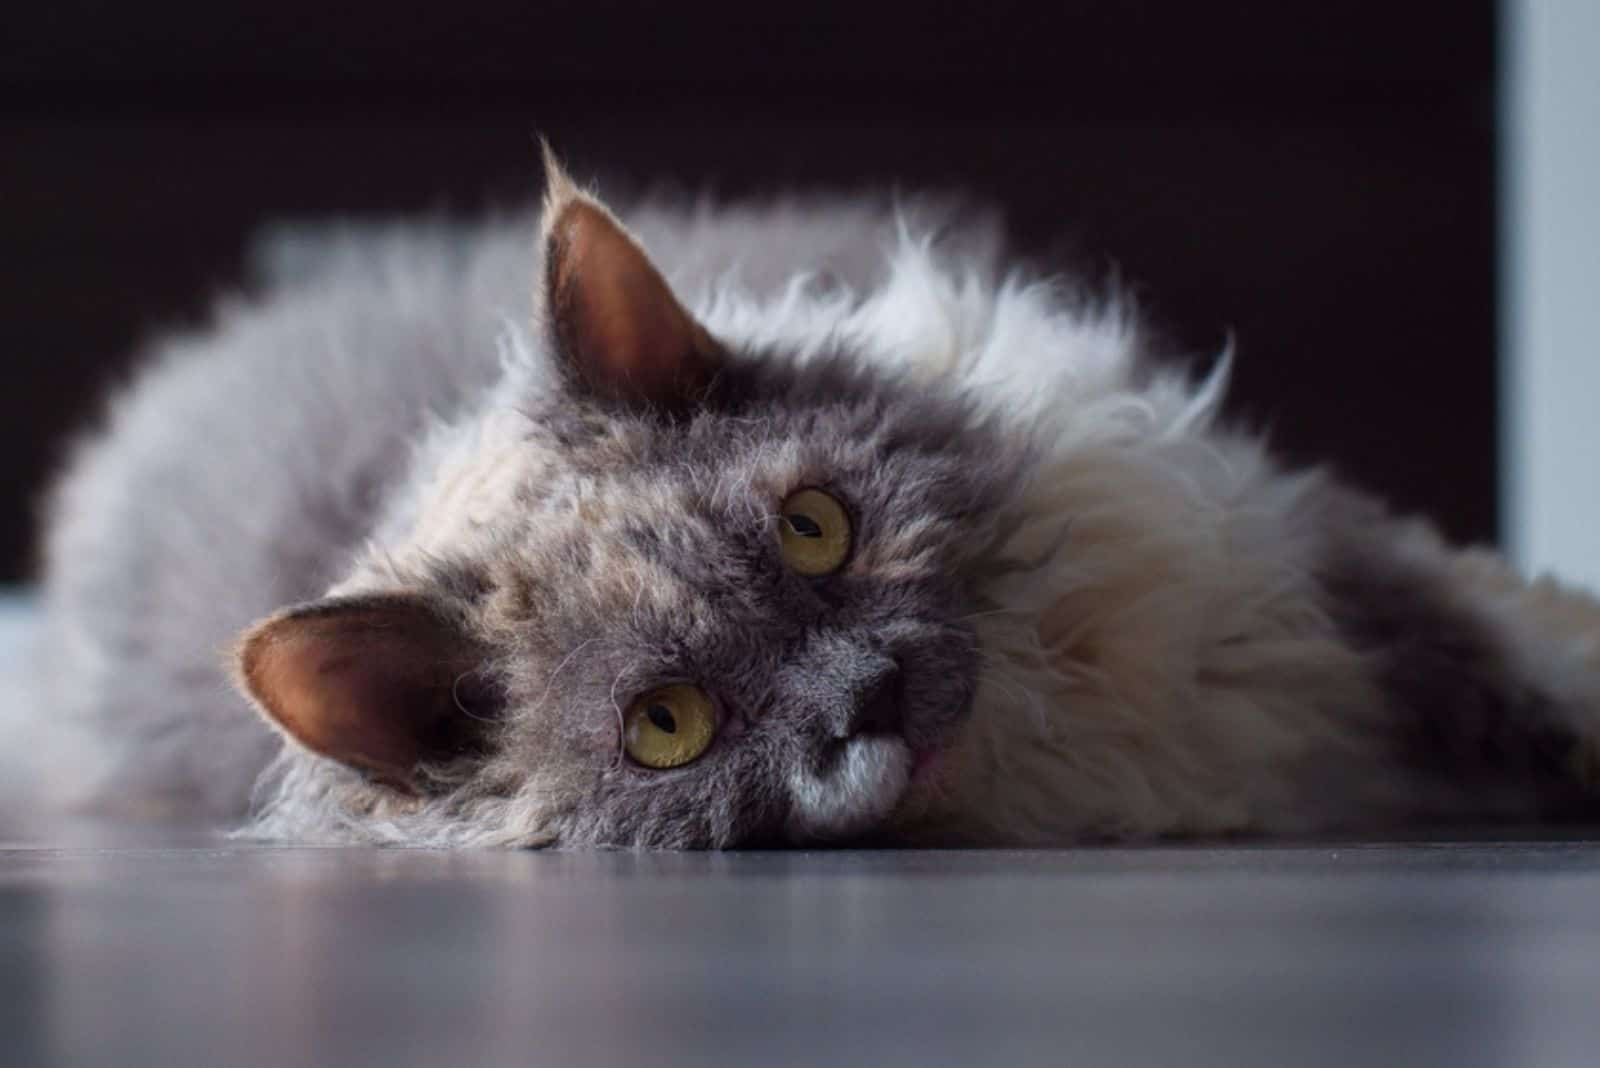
(1368, 955)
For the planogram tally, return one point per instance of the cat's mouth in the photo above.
(861, 788)
(896, 757)
(925, 766)
(856, 792)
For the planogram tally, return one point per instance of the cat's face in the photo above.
(796, 558)
(725, 600)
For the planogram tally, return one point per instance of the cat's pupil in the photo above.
(804, 526)
(662, 718)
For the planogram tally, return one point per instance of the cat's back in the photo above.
(236, 472)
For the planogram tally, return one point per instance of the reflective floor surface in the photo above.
(207, 953)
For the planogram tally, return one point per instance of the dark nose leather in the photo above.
(879, 709)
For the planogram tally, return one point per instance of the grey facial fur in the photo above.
(790, 660)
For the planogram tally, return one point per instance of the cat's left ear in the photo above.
(619, 333)
(382, 683)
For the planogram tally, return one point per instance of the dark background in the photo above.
(1316, 179)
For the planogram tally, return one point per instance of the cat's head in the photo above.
(675, 591)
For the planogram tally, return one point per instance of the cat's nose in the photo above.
(878, 711)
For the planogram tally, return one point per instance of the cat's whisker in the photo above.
(455, 698)
(622, 725)
(550, 683)
(989, 612)
(1012, 689)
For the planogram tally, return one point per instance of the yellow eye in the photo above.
(669, 726)
(815, 533)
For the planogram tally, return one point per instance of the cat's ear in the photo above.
(375, 682)
(618, 332)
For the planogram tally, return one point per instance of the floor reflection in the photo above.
(244, 956)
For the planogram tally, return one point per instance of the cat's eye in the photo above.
(814, 532)
(669, 726)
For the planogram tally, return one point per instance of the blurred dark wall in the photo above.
(1316, 180)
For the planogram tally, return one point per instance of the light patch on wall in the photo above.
(1550, 396)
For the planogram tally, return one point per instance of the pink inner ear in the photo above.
(367, 682)
(617, 323)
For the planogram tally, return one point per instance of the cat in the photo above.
(809, 524)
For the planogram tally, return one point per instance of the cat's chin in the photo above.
(856, 793)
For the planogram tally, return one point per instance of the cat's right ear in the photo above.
(374, 682)
(618, 333)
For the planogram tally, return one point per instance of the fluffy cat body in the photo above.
(1106, 615)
